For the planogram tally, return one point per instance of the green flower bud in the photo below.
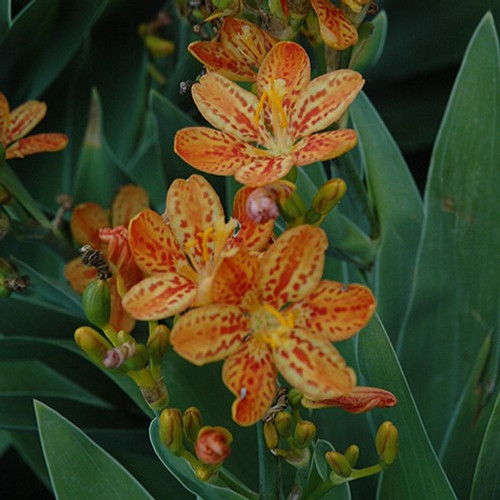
(304, 433)
(271, 435)
(328, 196)
(283, 423)
(138, 359)
(96, 302)
(171, 434)
(294, 398)
(338, 463)
(352, 454)
(93, 344)
(387, 443)
(158, 344)
(192, 422)
(293, 208)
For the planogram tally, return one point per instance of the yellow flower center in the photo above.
(271, 326)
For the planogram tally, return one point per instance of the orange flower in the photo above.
(335, 28)
(275, 313)
(238, 53)
(20, 122)
(92, 224)
(262, 138)
(181, 251)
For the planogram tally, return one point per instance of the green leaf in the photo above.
(399, 210)
(454, 305)
(417, 473)
(180, 468)
(5, 18)
(78, 467)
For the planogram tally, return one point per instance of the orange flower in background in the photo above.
(181, 251)
(261, 138)
(15, 124)
(335, 28)
(276, 314)
(238, 53)
(105, 231)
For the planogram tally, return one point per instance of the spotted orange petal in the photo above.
(251, 235)
(263, 168)
(235, 278)
(127, 203)
(324, 101)
(211, 151)
(24, 119)
(153, 244)
(313, 366)
(360, 400)
(286, 61)
(79, 275)
(229, 108)
(209, 333)
(216, 58)
(192, 207)
(246, 42)
(324, 146)
(335, 310)
(250, 375)
(293, 265)
(160, 296)
(336, 30)
(4, 118)
(39, 143)
(120, 319)
(86, 220)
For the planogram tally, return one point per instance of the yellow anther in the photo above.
(285, 321)
(277, 103)
(205, 235)
(259, 108)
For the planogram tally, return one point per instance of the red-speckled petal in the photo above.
(360, 400)
(292, 267)
(85, 223)
(324, 101)
(335, 311)
(209, 333)
(119, 319)
(286, 61)
(229, 108)
(153, 244)
(216, 58)
(336, 30)
(235, 279)
(211, 151)
(250, 375)
(246, 42)
(79, 275)
(39, 143)
(263, 168)
(127, 203)
(313, 366)
(324, 146)
(24, 119)
(4, 118)
(160, 296)
(192, 207)
(251, 235)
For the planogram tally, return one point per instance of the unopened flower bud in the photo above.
(328, 196)
(338, 463)
(283, 423)
(294, 397)
(270, 435)
(138, 359)
(304, 433)
(96, 302)
(293, 208)
(352, 454)
(387, 443)
(212, 445)
(158, 344)
(261, 206)
(92, 343)
(171, 434)
(192, 422)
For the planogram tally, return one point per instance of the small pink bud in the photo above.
(212, 445)
(261, 206)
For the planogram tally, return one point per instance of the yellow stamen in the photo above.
(259, 108)
(277, 103)
(205, 235)
(285, 321)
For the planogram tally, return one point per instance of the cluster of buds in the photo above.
(286, 434)
(118, 350)
(182, 432)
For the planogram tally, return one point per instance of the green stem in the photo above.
(269, 469)
(367, 471)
